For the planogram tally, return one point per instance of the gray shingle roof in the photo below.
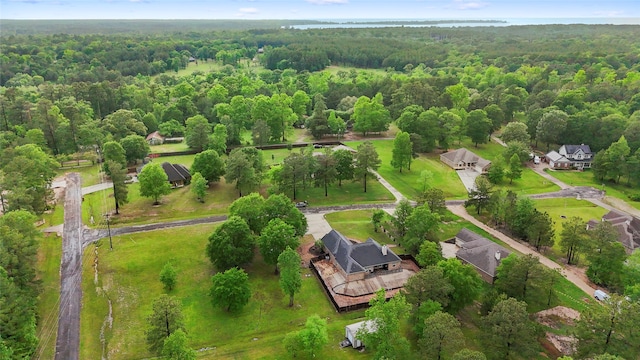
(353, 258)
(480, 251)
(555, 156)
(628, 228)
(571, 149)
(176, 172)
(462, 154)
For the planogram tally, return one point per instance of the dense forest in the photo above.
(66, 91)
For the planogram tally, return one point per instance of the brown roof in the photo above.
(465, 155)
(155, 135)
(627, 226)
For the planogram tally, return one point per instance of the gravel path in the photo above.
(68, 339)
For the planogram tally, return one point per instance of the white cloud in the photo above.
(469, 5)
(612, 13)
(247, 11)
(327, 2)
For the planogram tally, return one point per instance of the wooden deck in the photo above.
(347, 294)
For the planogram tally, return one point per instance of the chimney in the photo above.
(384, 250)
(498, 255)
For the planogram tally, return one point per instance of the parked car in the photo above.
(600, 295)
(302, 204)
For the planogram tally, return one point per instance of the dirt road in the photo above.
(68, 339)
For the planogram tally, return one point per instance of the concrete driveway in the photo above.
(468, 177)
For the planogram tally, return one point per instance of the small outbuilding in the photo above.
(155, 138)
(351, 332)
(177, 174)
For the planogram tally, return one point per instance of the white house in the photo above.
(571, 156)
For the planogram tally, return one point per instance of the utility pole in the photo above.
(109, 230)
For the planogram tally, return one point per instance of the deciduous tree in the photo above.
(113, 151)
(385, 338)
(209, 164)
(466, 283)
(344, 165)
(366, 160)
(573, 238)
(231, 244)
(197, 132)
(274, 239)
(325, 172)
(199, 186)
(230, 289)
(515, 131)
(135, 147)
(176, 347)
(154, 182)
(168, 277)
(290, 276)
(478, 127)
(402, 152)
(515, 168)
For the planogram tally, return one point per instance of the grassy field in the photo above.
(186, 160)
(166, 148)
(529, 183)
(356, 225)
(489, 151)
(88, 174)
(128, 276)
(179, 204)
(585, 178)
(48, 272)
(406, 182)
(559, 208)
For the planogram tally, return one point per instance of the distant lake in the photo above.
(450, 23)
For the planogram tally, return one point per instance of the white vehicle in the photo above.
(536, 159)
(600, 295)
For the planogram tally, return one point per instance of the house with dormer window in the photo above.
(571, 156)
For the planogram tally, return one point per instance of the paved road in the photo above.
(68, 339)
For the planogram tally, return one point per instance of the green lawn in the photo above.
(349, 193)
(88, 174)
(557, 208)
(186, 160)
(585, 178)
(179, 204)
(48, 272)
(166, 148)
(128, 276)
(488, 151)
(530, 183)
(406, 182)
(356, 225)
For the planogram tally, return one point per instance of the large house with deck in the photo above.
(570, 157)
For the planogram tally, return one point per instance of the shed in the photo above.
(177, 174)
(351, 332)
(155, 138)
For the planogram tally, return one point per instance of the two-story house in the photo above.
(571, 156)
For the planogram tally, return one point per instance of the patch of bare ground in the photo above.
(307, 250)
(556, 318)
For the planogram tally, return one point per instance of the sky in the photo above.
(317, 9)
